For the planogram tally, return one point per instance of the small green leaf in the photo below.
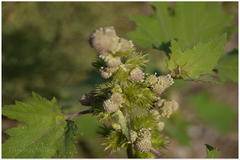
(227, 68)
(123, 123)
(213, 112)
(44, 125)
(200, 60)
(211, 151)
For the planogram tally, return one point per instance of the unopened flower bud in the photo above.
(116, 126)
(151, 80)
(133, 136)
(155, 114)
(86, 99)
(144, 133)
(109, 106)
(112, 61)
(136, 74)
(105, 73)
(160, 126)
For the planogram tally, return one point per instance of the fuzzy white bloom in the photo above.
(125, 45)
(109, 106)
(160, 126)
(133, 136)
(163, 83)
(136, 74)
(116, 98)
(168, 108)
(105, 40)
(155, 113)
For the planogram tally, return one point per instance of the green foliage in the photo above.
(200, 60)
(213, 112)
(115, 141)
(187, 22)
(211, 152)
(227, 67)
(67, 146)
(138, 95)
(43, 126)
(88, 130)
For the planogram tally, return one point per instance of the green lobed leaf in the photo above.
(213, 112)
(88, 129)
(67, 147)
(187, 22)
(44, 125)
(200, 60)
(211, 152)
(227, 67)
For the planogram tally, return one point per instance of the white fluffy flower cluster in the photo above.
(143, 141)
(166, 107)
(136, 75)
(107, 44)
(159, 84)
(113, 103)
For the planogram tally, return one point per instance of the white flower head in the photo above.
(136, 74)
(163, 83)
(116, 98)
(143, 145)
(111, 61)
(168, 108)
(105, 40)
(109, 106)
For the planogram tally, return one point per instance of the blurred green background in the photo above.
(46, 50)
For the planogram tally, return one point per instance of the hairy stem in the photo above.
(71, 116)
(156, 153)
(130, 151)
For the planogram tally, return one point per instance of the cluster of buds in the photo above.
(131, 88)
(159, 84)
(113, 103)
(107, 44)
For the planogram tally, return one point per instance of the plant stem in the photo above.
(130, 151)
(156, 153)
(71, 116)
